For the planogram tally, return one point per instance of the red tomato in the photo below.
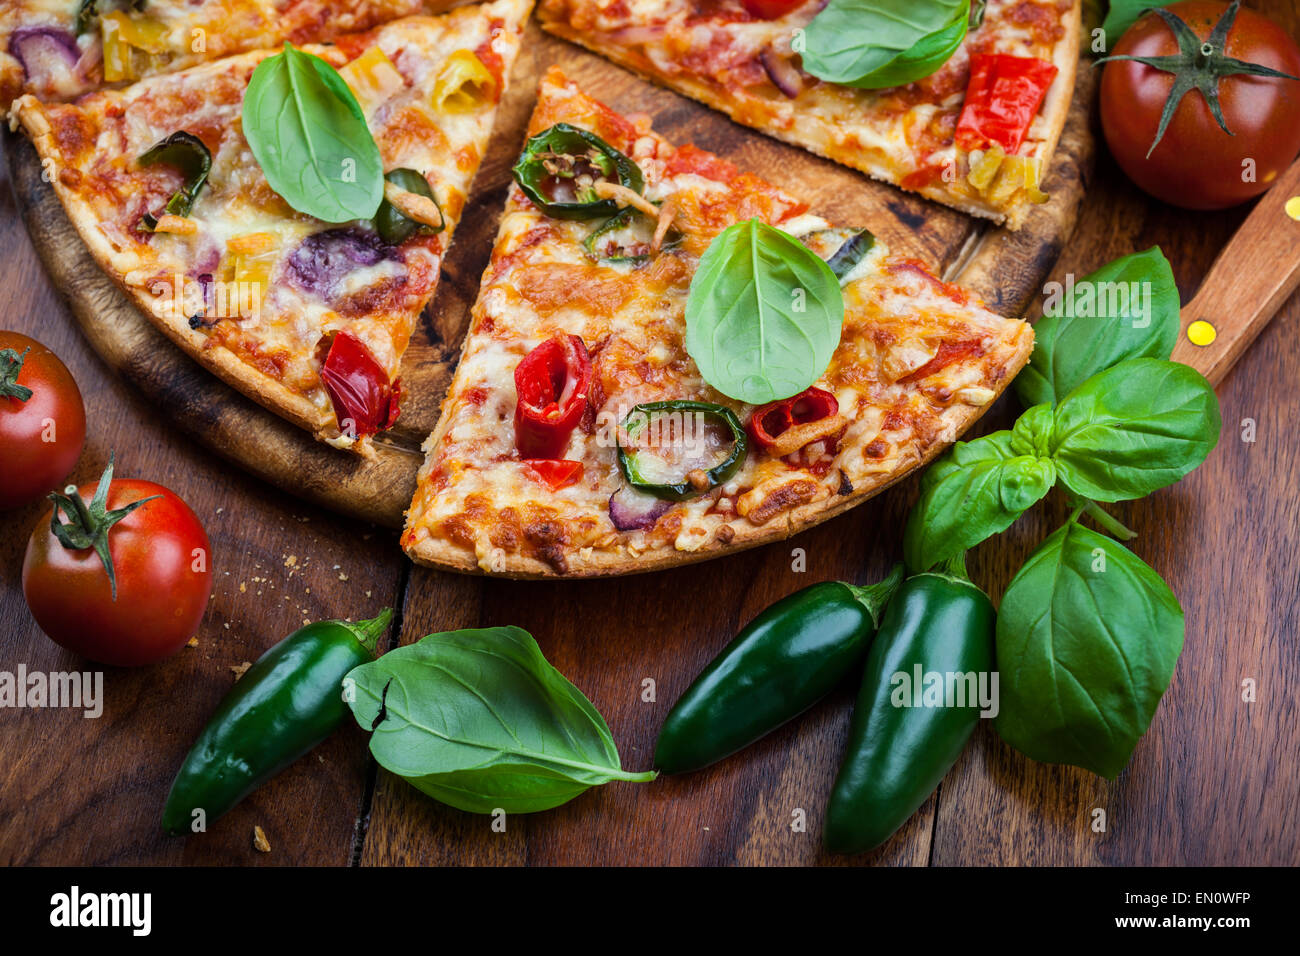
(771, 9)
(163, 567)
(1196, 164)
(40, 437)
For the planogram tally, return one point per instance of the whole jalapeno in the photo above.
(900, 743)
(782, 663)
(285, 704)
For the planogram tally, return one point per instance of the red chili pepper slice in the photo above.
(770, 9)
(552, 383)
(364, 400)
(1002, 99)
(947, 353)
(771, 420)
(555, 473)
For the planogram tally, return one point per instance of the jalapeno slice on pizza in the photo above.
(186, 152)
(393, 224)
(619, 240)
(561, 169)
(679, 449)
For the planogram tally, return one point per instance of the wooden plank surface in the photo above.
(1213, 782)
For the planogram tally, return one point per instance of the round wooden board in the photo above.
(1006, 269)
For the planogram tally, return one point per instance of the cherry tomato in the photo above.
(1196, 164)
(41, 434)
(161, 563)
(771, 9)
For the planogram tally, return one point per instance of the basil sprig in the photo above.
(480, 720)
(764, 314)
(309, 135)
(1087, 634)
(1122, 434)
(874, 44)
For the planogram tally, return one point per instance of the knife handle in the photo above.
(1254, 274)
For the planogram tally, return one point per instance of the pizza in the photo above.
(307, 317)
(59, 49)
(977, 134)
(542, 463)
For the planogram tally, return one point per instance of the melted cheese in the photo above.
(277, 329)
(472, 488)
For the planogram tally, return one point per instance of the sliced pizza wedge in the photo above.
(579, 436)
(59, 49)
(976, 134)
(309, 318)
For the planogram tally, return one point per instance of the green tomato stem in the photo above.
(11, 365)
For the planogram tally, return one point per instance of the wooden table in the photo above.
(1215, 781)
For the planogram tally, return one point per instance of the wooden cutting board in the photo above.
(1005, 268)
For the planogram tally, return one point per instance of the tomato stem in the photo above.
(1198, 65)
(88, 525)
(11, 364)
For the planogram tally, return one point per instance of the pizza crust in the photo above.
(27, 112)
(476, 512)
(295, 406)
(446, 556)
(1053, 112)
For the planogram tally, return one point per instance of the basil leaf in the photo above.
(764, 314)
(853, 42)
(1032, 432)
(1134, 428)
(920, 61)
(1122, 15)
(1126, 309)
(973, 492)
(308, 133)
(481, 721)
(1087, 639)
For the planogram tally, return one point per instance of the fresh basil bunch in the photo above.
(874, 44)
(1087, 635)
(480, 720)
(309, 135)
(764, 314)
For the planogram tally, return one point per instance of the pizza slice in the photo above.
(59, 49)
(308, 317)
(579, 436)
(976, 134)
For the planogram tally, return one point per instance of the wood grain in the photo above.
(380, 490)
(1214, 781)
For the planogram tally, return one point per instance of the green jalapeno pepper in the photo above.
(623, 220)
(842, 249)
(393, 226)
(187, 153)
(556, 158)
(686, 478)
(937, 623)
(285, 704)
(782, 663)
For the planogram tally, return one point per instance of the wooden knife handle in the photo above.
(1254, 274)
